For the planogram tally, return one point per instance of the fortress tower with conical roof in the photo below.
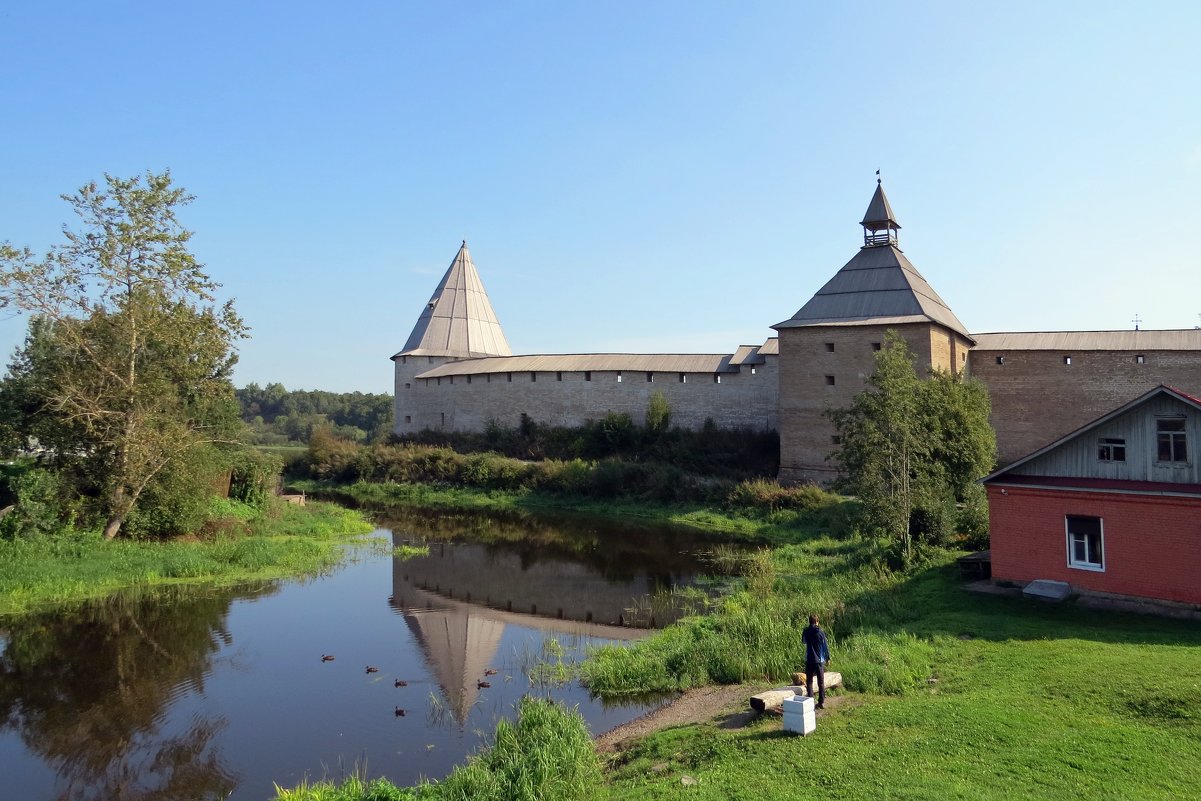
(457, 323)
(827, 349)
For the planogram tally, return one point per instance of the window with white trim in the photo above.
(1111, 449)
(1086, 542)
(1170, 440)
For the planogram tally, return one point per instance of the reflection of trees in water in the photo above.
(88, 689)
(617, 550)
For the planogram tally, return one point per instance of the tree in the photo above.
(910, 449)
(658, 413)
(137, 370)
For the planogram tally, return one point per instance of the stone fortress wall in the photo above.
(1039, 396)
(745, 398)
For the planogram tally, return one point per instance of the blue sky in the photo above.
(630, 176)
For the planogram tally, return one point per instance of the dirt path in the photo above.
(694, 706)
(726, 705)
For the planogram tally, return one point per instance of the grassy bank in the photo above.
(543, 755)
(284, 540)
(747, 522)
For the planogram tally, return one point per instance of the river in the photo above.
(220, 692)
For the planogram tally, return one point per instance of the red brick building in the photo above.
(1113, 507)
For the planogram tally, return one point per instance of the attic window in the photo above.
(716, 378)
(683, 378)
(876, 346)
(1000, 360)
(407, 385)
(510, 377)
(488, 378)
(1170, 439)
(469, 379)
(1067, 359)
(619, 376)
(829, 347)
(533, 376)
(587, 375)
(559, 375)
(752, 371)
(1111, 449)
(650, 377)
(1140, 359)
(829, 380)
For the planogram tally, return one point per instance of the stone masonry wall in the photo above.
(746, 399)
(1037, 398)
(824, 367)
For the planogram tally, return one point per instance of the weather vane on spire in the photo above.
(1136, 321)
(879, 180)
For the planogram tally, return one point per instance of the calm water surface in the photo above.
(206, 692)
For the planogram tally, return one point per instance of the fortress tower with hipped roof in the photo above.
(457, 373)
(827, 348)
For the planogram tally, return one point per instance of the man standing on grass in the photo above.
(817, 655)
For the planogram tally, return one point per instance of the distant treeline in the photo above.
(277, 415)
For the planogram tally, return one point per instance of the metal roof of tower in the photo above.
(458, 321)
(879, 212)
(879, 286)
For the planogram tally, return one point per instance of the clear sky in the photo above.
(629, 175)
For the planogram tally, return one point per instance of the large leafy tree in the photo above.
(908, 445)
(127, 364)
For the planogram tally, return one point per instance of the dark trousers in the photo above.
(817, 669)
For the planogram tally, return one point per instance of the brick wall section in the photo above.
(1152, 543)
(744, 399)
(1036, 398)
(806, 436)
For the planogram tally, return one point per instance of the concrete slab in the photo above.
(1047, 590)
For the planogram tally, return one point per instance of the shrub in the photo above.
(253, 476)
(38, 506)
(767, 495)
(658, 413)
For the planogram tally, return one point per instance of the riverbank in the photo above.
(746, 524)
(246, 545)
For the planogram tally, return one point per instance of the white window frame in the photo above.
(1072, 563)
(1111, 446)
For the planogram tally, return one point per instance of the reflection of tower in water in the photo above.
(458, 647)
(457, 602)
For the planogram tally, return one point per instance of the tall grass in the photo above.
(754, 634)
(546, 754)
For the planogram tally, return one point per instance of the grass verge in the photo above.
(546, 754)
(39, 572)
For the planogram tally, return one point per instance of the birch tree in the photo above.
(129, 355)
(908, 443)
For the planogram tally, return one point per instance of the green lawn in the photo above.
(1023, 700)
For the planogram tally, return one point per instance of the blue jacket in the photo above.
(817, 650)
